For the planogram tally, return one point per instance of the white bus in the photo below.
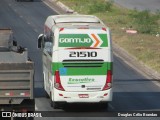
(77, 59)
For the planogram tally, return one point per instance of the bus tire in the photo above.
(55, 105)
(46, 95)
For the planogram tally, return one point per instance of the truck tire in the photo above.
(29, 104)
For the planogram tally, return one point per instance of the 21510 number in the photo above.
(83, 54)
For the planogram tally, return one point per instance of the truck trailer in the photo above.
(16, 76)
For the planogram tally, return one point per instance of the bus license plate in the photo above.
(83, 96)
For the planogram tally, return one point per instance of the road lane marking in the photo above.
(36, 30)
(36, 108)
(156, 83)
(51, 7)
(111, 106)
(28, 23)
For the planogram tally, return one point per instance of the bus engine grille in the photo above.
(83, 63)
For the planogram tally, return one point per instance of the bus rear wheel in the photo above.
(55, 105)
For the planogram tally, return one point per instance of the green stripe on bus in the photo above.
(81, 40)
(79, 70)
(75, 40)
(104, 39)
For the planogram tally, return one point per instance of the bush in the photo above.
(100, 6)
(145, 22)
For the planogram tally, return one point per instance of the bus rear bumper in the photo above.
(83, 97)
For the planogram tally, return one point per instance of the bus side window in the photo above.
(48, 45)
(52, 38)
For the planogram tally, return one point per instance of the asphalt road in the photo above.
(152, 5)
(132, 91)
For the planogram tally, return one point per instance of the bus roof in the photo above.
(75, 19)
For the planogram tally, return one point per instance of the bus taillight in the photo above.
(57, 81)
(108, 83)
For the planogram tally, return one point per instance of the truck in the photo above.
(77, 60)
(16, 76)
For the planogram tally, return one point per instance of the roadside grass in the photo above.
(144, 45)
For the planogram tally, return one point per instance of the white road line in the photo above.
(36, 108)
(111, 106)
(156, 83)
(28, 23)
(51, 7)
(36, 30)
